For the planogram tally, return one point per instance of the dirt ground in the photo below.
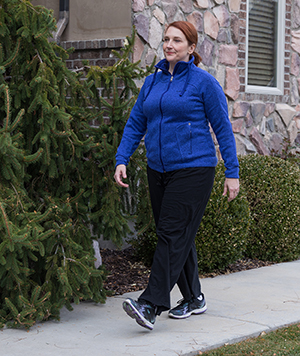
(127, 274)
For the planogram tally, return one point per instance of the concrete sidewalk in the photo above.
(240, 305)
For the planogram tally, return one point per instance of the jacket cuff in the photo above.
(232, 173)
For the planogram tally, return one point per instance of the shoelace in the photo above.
(182, 301)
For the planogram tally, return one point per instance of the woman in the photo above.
(174, 109)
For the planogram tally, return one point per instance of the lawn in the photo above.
(282, 342)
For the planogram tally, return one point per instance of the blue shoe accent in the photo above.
(188, 307)
(141, 311)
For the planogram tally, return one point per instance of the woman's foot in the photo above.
(188, 307)
(142, 311)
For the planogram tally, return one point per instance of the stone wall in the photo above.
(260, 122)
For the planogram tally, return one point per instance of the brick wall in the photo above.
(97, 52)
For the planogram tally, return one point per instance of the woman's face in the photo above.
(176, 47)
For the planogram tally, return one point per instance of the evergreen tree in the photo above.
(112, 206)
(56, 172)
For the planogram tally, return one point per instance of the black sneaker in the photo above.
(142, 311)
(188, 307)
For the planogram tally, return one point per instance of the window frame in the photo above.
(279, 89)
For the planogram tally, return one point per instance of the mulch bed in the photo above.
(127, 274)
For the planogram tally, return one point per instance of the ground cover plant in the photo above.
(282, 342)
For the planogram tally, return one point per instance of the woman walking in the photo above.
(175, 109)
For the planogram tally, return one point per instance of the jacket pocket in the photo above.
(184, 139)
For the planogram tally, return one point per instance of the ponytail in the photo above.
(197, 58)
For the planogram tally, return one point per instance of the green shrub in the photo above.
(273, 192)
(288, 152)
(145, 244)
(222, 236)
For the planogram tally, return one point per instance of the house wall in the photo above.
(95, 28)
(260, 122)
(49, 4)
(94, 19)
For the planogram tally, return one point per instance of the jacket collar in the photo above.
(180, 67)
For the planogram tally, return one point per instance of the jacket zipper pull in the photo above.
(171, 80)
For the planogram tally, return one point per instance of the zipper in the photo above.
(190, 127)
(171, 79)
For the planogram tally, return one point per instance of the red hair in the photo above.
(191, 35)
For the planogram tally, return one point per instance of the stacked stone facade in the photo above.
(261, 123)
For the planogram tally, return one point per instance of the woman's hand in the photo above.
(120, 173)
(232, 187)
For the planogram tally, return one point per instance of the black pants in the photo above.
(178, 201)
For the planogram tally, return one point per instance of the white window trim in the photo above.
(279, 90)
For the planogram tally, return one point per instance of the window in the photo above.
(265, 46)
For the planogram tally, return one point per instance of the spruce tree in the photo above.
(112, 206)
(56, 176)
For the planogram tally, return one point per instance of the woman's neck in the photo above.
(171, 68)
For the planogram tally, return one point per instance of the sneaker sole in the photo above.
(187, 315)
(134, 314)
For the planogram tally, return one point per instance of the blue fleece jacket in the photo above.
(174, 111)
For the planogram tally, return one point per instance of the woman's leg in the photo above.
(185, 195)
(188, 281)
(156, 182)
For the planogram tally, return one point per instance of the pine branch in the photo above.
(38, 55)
(6, 222)
(14, 55)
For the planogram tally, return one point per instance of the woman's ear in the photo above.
(192, 48)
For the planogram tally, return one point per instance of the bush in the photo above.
(288, 152)
(273, 192)
(145, 244)
(222, 236)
